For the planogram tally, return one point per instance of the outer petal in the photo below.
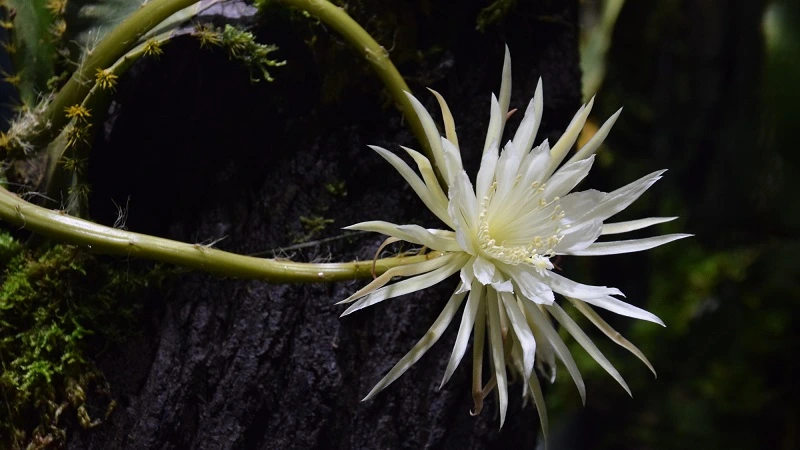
(585, 342)
(633, 225)
(409, 233)
(624, 309)
(417, 283)
(629, 246)
(569, 288)
(616, 201)
(476, 295)
(424, 344)
(420, 188)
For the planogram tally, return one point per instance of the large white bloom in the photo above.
(503, 232)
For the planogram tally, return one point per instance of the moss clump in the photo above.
(59, 307)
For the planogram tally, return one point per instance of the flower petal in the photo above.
(578, 237)
(498, 353)
(414, 234)
(633, 225)
(484, 271)
(429, 176)
(485, 176)
(628, 246)
(541, 408)
(447, 118)
(410, 285)
(569, 288)
(594, 143)
(530, 286)
(476, 296)
(569, 137)
(616, 201)
(612, 334)
(420, 188)
(624, 309)
(434, 333)
(538, 319)
(522, 331)
(400, 271)
(572, 328)
(567, 177)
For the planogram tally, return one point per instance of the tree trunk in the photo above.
(203, 154)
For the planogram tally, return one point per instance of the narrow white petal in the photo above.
(419, 187)
(541, 408)
(409, 285)
(572, 328)
(484, 271)
(485, 176)
(410, 233)
(569, 137)
(447, 118)
(538, 319)
(522, 331)
(476, 296)
(594, 143)
(546, 360)
(463, 209)
(498, 353)
(505, 87)
(431, 133)
(424, 344)
(629, 246)
(400, 271)
(526, 133)
(567, 177)
(616, 201)
(624, 309)
(495, 129)
(452, 158)
(478, 343)
(612, 334)
(569, 288)
(438, 196)
(633, 225)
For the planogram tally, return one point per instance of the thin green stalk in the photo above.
(115, 44)
(103, 239)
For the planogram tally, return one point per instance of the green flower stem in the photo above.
(115, 44)
(103, 239)
(377, 56)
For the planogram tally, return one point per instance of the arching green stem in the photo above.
(103, 239)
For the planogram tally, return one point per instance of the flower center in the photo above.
(532, 237)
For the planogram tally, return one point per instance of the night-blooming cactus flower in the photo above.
(503, 233)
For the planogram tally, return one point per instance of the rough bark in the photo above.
(241, 364)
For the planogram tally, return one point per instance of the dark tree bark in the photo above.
(203, 154)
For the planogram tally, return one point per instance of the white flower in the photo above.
(503, 233)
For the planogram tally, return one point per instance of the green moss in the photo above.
(59, 307)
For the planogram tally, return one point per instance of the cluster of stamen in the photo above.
(538, 251)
